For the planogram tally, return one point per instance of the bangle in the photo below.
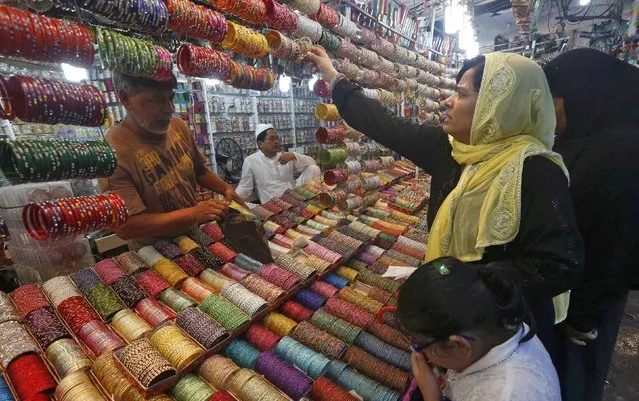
(335, 80)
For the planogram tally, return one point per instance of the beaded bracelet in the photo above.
(347, 28)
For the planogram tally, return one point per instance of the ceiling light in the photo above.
(285, 83)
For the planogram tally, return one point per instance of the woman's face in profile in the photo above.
(560, 113)
(461, 108)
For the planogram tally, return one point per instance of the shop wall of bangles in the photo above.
(198, 317)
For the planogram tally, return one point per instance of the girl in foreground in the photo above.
(469, 319)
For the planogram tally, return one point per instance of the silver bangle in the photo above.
(335, 80)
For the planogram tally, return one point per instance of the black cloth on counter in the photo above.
(546, 255)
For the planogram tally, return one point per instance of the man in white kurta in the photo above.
(268, 173)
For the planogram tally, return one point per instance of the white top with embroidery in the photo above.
(509, 372)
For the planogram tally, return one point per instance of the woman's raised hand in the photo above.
(318, 55)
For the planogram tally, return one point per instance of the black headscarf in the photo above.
(599, 91)
(600, 147)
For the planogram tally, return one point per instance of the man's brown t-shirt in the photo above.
(155, 175)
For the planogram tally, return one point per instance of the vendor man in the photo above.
(268, 173)
(159, 165)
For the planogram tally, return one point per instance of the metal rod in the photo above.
(350, 4)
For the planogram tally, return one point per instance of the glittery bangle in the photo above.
(76, 386)
(170, 272)
(290, 380)
(310, 362)
(145, 363)
(131, 262)
(249, 303)
(153, 312)
(224, 312)
(296, 311)
(46, 327)
(30, 377)
(262, 288)
(242, 353)
(191, 387)
(319, 340)
(218, 371)
(335, 326)
(214, 279)
(66, 356)
(14, 342)
(176, 300)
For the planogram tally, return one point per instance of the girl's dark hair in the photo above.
(476, 63)
(469, 297)
(598, 90)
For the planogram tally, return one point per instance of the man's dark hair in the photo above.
(132, 85)
(261, 137)
(428, 302)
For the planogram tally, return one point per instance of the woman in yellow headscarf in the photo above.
(499, 195)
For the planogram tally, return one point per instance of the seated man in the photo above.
(159, 165)
(269, 173)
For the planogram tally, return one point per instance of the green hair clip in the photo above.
(442, 269)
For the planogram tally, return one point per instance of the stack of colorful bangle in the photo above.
(35, 37)
(200, 62)
(48, 101)
(253, 11)
(247, 77)
(326, 16)
(346, 27)
(383, 47)
(327, 112)
(72, 216)
(347, 49)
(196, 21)
(245, 41)
(308, 28)
(134, 56)
(280, 17)
(329, 41)
(282, 47)
(322, 89)
(141, 15)
(366, 37)
(308, 7)
(25, 160)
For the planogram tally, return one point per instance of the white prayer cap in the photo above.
(262, 127)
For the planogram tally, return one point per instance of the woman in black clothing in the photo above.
(598, 136)
(519, 216)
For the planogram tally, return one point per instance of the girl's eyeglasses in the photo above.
(414, 346)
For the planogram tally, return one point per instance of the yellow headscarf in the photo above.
(514, 119)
